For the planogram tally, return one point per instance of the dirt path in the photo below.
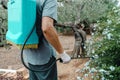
(11, 59)
(70, 71)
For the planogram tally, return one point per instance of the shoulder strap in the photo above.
(38, 22)
(43, 4)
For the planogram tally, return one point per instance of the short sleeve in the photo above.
(50, 9)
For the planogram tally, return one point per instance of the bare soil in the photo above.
(10, 58)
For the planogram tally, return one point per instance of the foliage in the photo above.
(106, 48)
(3, 25)
(82, 11)
(79, 10)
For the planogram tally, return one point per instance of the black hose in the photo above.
(22, 59)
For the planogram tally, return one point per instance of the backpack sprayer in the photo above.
(22, 27)
(21, 19)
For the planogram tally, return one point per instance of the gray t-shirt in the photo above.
(45, 51)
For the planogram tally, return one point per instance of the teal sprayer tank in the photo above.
(21, 19)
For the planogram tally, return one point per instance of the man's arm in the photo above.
(51, 36)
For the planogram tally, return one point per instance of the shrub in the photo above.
(106, 48)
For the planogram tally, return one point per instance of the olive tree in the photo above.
(83, 11)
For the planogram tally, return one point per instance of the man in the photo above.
(42, 58)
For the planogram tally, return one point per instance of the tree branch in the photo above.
(4, 5)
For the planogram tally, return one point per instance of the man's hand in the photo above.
(65, 57)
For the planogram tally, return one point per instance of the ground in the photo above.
(10, 58)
